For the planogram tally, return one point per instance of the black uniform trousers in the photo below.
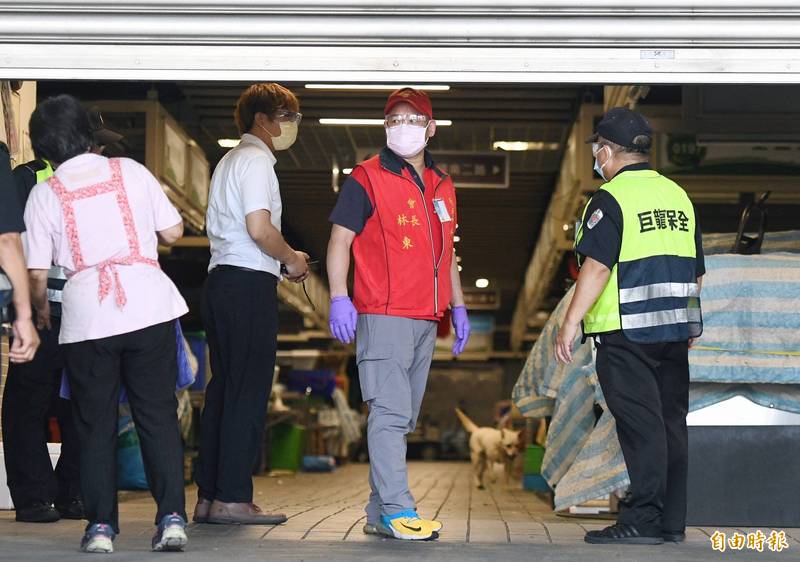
(31, 396)
(646, 387)
(145, 361)
(240, 315)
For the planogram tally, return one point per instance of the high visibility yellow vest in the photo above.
(55, 277)
(45, 173)
(652, 294)
(6, 293)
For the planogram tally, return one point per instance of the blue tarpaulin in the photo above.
(750, 347)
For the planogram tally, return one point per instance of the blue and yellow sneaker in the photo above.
(408, 525)
(435, 525)
(372, 528)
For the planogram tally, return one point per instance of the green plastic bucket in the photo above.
(287, 445)
(533, 460)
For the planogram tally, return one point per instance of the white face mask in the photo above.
(407, 140)
(287, 137)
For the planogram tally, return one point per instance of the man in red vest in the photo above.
(397, 211)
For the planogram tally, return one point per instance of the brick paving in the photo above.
(326, 516)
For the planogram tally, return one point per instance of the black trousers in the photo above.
(30, 397)
(646, 387)
(240, 315)
(146, 362)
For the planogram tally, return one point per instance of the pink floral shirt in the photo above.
(99, 302)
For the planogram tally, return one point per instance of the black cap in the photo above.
(101, 135)
(626, 128)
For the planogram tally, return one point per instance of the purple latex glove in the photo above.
(461, 326)
(343, 318)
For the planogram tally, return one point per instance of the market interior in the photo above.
(523, 174)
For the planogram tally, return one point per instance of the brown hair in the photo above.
(262, 98)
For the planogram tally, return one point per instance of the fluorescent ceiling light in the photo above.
(228, 143)
(515, 146)
(370, 122)
(481, 283)
(331, 121)
(390, 87)
(347, 171)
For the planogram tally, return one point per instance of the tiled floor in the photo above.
(326, 516)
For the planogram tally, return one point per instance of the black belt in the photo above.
(226, 267)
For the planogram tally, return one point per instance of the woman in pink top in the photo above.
(101, 220)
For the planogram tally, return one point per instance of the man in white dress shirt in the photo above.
(240, 310)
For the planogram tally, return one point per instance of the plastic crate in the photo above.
(322, 382)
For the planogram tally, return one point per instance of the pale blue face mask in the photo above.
(598, 168)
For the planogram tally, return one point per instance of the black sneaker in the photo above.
(72, 509)
(38, 513)
(621, 534)
(673, 536)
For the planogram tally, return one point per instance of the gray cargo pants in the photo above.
(394, 356)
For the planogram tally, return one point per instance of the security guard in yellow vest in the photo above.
(30, 397)
(637, 294)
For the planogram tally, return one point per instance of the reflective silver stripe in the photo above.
(660, 318)
(658, 291)
(54, 296)
(5, 283)
(56, 272)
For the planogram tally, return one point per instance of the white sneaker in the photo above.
(171, 534)
(99, 538)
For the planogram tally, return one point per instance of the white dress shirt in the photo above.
(244, 181)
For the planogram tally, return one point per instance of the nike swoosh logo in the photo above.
(415, 529)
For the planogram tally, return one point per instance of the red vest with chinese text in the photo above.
(404, 253)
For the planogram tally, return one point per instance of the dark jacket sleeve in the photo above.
(11, 207)
(353, 207)
(601, 237)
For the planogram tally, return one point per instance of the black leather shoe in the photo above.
(621, 534)
(73, 509)
(673, 536)
(38, 513)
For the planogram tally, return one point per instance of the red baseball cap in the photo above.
(417, 99)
